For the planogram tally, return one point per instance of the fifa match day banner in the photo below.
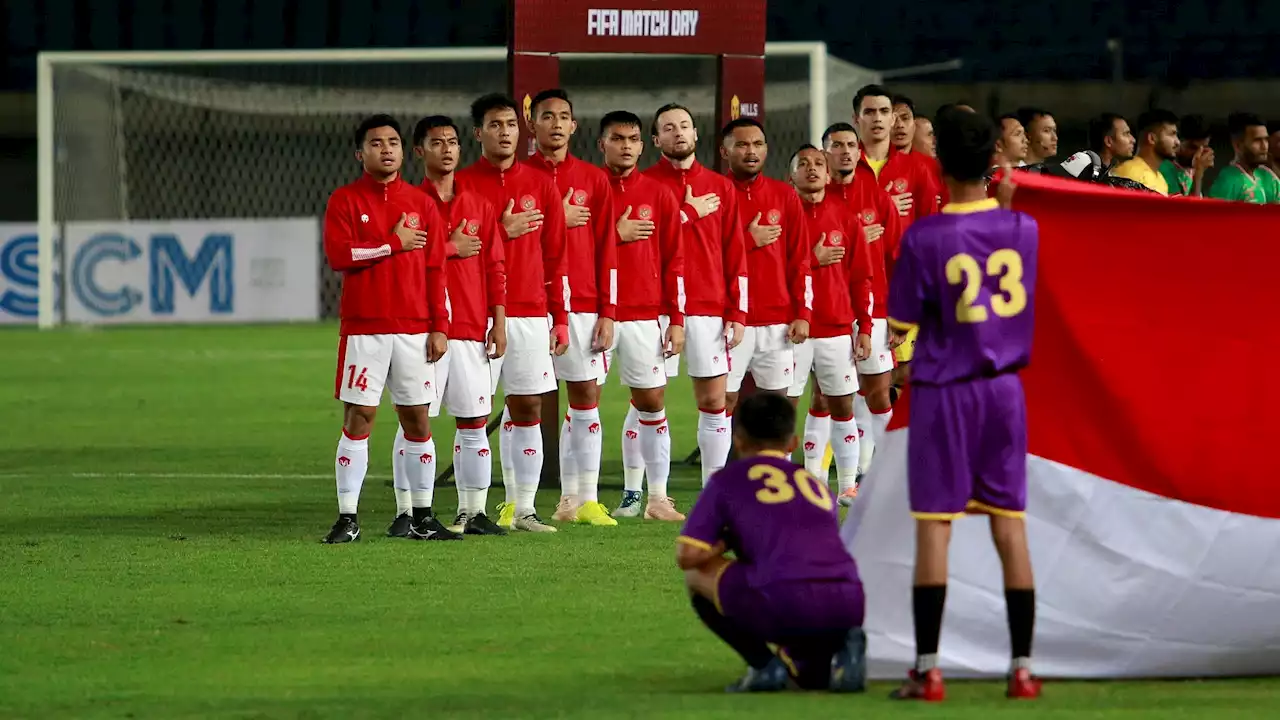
(181, 271)
(1153, 504)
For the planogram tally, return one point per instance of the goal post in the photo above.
(255, 135)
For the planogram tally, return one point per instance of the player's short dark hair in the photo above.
(742, 122)
(903, 100)
(867, 91)
(1007, 116)
(371, 122)
(549, 94)
(1195, 127)
(1028, 115)
(965, 142)
(653, 127)
(796, 154)
(835, 128)
(486, 104)
(766, 418)
(432, 122)
(1239, 122)
(625, 118)
(1101, 128)
(1152, 119)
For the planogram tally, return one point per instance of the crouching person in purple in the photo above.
(791, 583)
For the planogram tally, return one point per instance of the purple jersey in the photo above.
(780, 521)
(967, 278)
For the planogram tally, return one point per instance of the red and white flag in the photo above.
(1154, 477)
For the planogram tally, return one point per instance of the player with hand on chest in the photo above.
(881, 225)
(386, 238)
(841, 298)
(532, 216)
(778, 264)
(591, 248)
(651, 297)
(714, 246)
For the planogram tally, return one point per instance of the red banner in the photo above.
(1154, 342)
(687, 27)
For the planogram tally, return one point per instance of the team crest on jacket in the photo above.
(580, 197)
(868, 217)
(836, 237)
(473, 228)
(413, 220)
(774, 217)
(644, 212)
(527, 203)
(900, 185)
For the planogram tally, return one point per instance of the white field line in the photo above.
(183, 476)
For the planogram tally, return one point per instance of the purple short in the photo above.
(968, 448)
(782, 611)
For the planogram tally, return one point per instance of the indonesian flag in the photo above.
(1154, 479)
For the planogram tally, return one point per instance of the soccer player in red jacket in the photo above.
(591, 244)
(466, 377)
(386, 238)
(857, 189)
(651, 298)
(778, 264)
(841, 311)
(715, 247)
(532, 216)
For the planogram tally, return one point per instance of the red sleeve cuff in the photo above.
(688, 212)
(677, 319)
(735, 316)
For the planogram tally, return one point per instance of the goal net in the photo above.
(244, 136)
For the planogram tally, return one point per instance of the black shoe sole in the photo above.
(343, 541)
(436, 537)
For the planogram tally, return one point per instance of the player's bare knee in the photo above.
(709, 393)
(357, 420)
(525, 408)
(876, 391)
(583, 394)
(414, 420)
(818, 401)
(840, 407)
(650, 400)
(730, 401)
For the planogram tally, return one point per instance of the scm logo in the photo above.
(169, 266)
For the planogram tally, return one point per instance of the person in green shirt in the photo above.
(1247, 179)
(1185, 171)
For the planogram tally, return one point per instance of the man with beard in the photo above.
(1247, 179)
(778, 265)
(714, 246)
(1185, 171)
(591, 248)
(1111, 139)
(1157, 142)
(1042, 134)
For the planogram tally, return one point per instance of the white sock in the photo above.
(879, 423)
(473, 467)
(478, 502)
(404, 499)
(632, 458)
(420, 468)
(568, 460)
(457, 473)
(587, 444)
(504, 451)
(844, 446)
(526, 443)
(655, 445)
(817, 433)
(867, 442)
(714, 440)
(351, 465)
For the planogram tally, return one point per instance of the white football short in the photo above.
(766, 353)
(369, 363)
(637, 354)
(526, 368)
(464, 381)
(579, 363)
(831, 362)
(706, 351)
(880, 360)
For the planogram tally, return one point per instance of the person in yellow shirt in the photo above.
(1157, 141)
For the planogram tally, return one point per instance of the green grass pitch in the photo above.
(162, 492)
